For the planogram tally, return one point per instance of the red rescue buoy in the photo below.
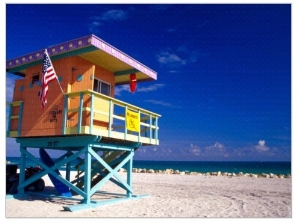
(132, 82)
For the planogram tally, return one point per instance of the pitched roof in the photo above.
(92, 49)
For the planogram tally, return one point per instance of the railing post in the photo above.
(156, 129)
(92, 113)
(68, 167)
(87, 175)
(64, 120)
(80, 113)
(22, 168)
(125, 132)
(150, 129)
(20, 118)
(9, 120)
(129, 172)
(139, 133)
(110, 117)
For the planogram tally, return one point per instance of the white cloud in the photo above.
(166, 57)
(195, 150)
(111, 15)
(157, 102)
(173, 71)
(142, 150)
(153, 87)
(96, 23)
(216, 150)
(179, 57)
(261, 147)
(158, 153)
(261, 143)
(121, 88)
(125, 88)
(217, 147)
(94, 27)
(114, 15)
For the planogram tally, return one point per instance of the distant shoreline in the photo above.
(202, 167)
(219, 173)
(215, 173)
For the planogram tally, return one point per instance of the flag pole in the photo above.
(54, 72)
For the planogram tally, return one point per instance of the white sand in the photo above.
(180, 196)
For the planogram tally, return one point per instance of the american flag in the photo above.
(49, 75)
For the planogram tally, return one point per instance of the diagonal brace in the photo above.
(113, 172)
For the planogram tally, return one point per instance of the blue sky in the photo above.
(224, 71)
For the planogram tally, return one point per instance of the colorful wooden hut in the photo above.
(81, 120)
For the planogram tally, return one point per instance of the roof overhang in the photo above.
(92, 49)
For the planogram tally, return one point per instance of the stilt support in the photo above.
(95, 204)
(101, 163)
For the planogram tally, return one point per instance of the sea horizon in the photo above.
(255, 167)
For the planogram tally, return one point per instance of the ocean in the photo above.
(201, 166)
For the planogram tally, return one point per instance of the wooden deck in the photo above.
(91, 113)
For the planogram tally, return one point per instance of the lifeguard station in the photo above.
(82, 120)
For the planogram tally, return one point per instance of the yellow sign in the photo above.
(132, 121)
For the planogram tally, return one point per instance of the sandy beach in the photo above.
(173, 196)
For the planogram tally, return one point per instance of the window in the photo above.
(101, 87)
(35, 79)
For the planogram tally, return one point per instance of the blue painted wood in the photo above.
(113, 172)
(48, 170)
(107, 146)
(58, 142)
(22, 170)
(113, 181)
(87, 176)
(112, 163)
(87, 146)
(68, 166)
(60, 187)
(129, 174)
(22, 182)
(95, 204)
(25, 154)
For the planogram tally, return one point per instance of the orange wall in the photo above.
(48, 121)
